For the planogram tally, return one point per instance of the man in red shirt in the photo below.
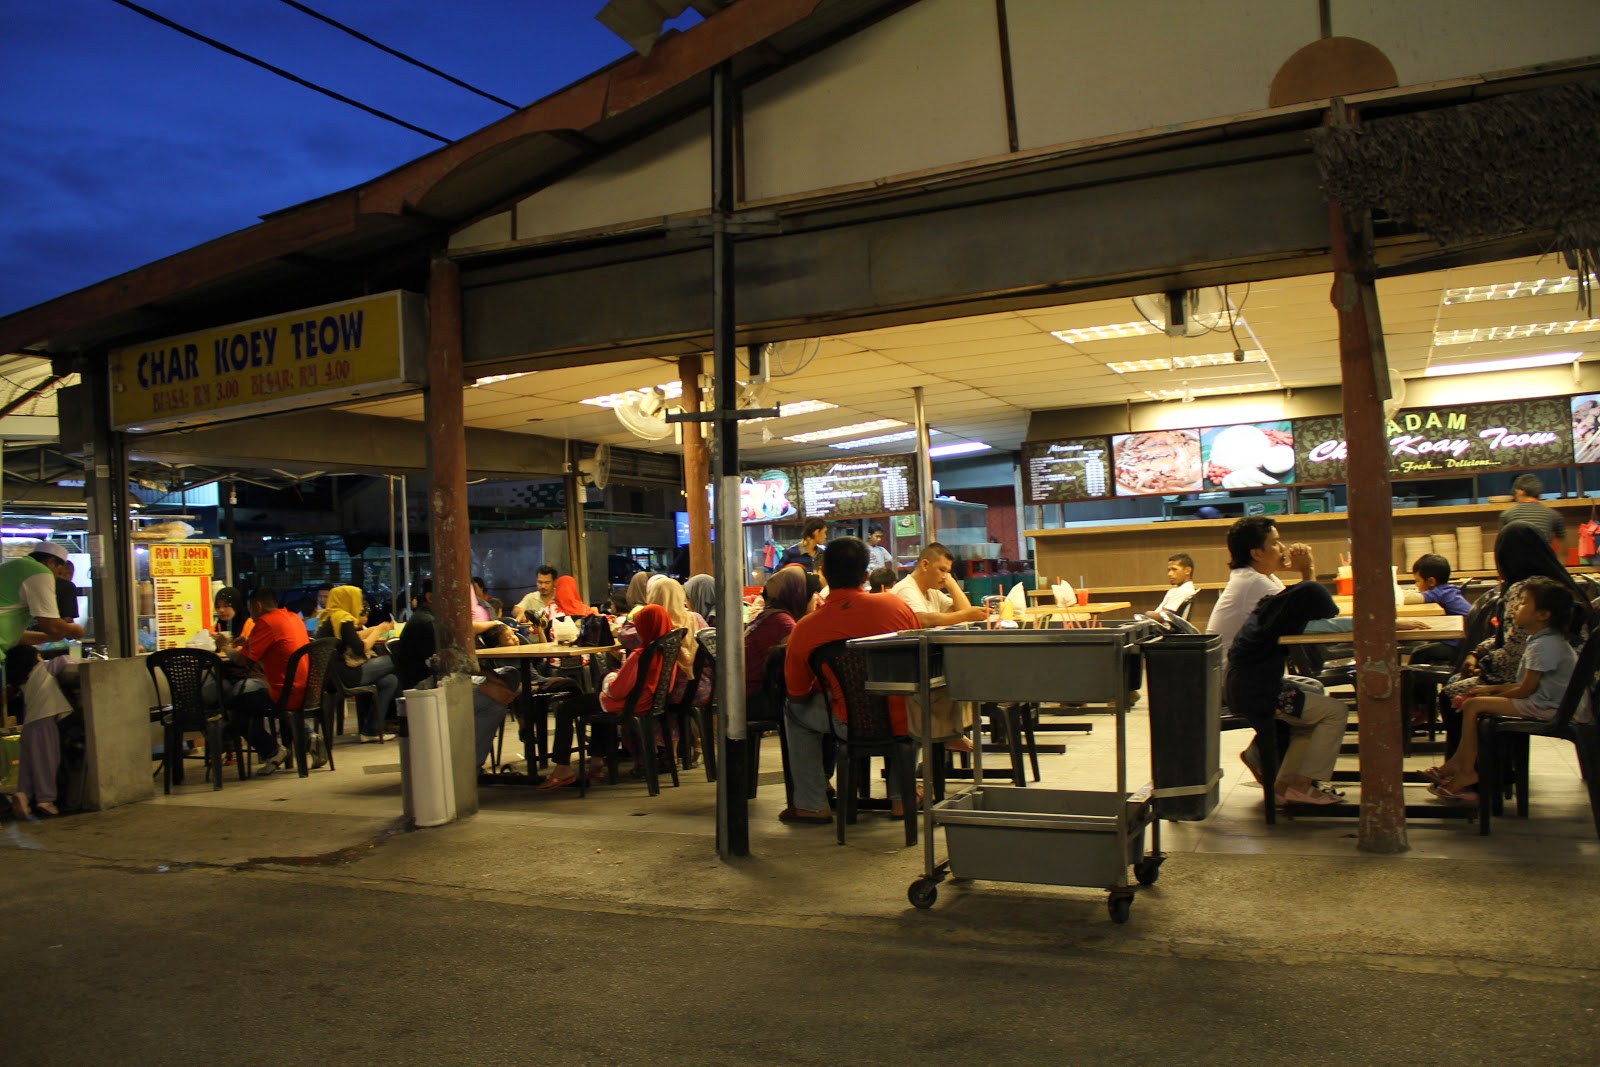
(848, 612)
(277, 633)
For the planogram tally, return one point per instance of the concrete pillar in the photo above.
(117, 696)
(447, 463)
(696, 471)
(456, 692)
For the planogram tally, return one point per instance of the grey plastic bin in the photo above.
(1184, 680)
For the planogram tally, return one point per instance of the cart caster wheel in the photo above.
(1120, 907)
(922, 893)
(1148, 870)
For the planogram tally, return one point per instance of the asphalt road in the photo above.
(112, 964)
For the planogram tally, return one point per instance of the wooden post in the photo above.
(1361, 354)
(696, 471)
(447, 462)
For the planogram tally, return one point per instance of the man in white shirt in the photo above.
(532, 606)
(1180, 575)
(933, 594)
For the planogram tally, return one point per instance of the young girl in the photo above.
(1543, 613)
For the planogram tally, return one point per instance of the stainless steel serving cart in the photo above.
(1002, 833)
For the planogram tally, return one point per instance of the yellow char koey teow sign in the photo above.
(373, 346)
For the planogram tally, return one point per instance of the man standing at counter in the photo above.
(877, 555)
(28, 590)
(808, 553)
(1526, 491)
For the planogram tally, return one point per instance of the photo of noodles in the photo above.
(1157, 461)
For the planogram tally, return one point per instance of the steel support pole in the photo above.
(394, 577)
(577, 558)
(405, 540)
(733, 813)
(447, 462)
(924, 468)
(1361, 361)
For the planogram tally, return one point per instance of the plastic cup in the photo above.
(1345, 586)
(1083, 597)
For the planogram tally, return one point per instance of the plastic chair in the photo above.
(313, 698)
(335, 686)
(842, 671)
(764, 714)
(660, 657)
(1501, 737)
(185, 672)
(704, 716)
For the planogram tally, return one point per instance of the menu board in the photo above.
(767, 496)
(1059, 472)
(1156, 462)
(858, 486)
(183, 607)
(1452, 441)
(1250, 455)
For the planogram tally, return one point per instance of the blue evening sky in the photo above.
(122, 141)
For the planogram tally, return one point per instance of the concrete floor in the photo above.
(551, 926)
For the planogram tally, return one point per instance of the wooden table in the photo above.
(1092, 609)
(1448, 628)
(1403, 611)
(524, 656)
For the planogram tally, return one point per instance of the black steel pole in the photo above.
(733, 813)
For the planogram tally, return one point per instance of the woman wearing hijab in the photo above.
(1521, 551)
(701, 591)
(652, 622)
(356, 665)
(1256, 688)
(784, 600)
(566, 611)
(667, 593)
(232, 620)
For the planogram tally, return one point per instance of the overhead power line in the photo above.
(358, 35)
(264, 65)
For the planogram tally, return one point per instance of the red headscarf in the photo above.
(567, 600)
(651, 621)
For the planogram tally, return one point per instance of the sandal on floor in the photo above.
(552, 783)
(793, 815)
(1436, 775)
(1469, 795)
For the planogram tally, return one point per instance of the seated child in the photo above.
(1547, 663)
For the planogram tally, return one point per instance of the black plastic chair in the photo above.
(704, 716)
(660, 654)
(842, 671)
(1426, 678)
(1502, 738)
(185, 672)
(313, 700)
(764, 714)
(335, 687)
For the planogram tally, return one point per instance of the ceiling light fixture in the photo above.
(1550, 359)
(844, 431)
(493, 378)
(1209, 359)
(1209, 390)
(1512, 333)
(960, 449)
(669, 390)
(882, 439)
(1511, 290)
(1104, 333)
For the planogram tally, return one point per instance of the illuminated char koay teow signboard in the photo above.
(1448, 441)
(368, 347)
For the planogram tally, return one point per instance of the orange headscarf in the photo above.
(567, 600)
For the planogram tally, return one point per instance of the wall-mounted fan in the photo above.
(596, 470)
(1185, 312)
(644, 414)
